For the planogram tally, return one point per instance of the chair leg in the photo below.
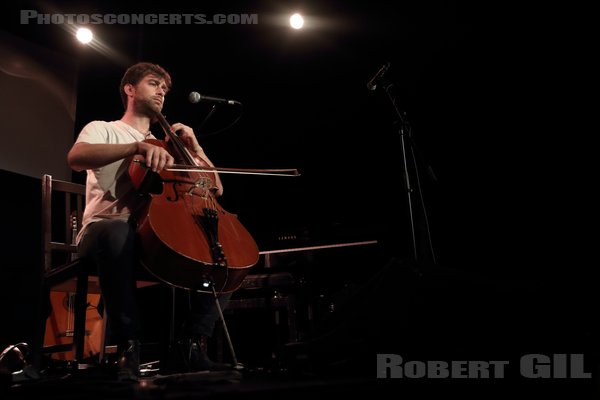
(80, 315)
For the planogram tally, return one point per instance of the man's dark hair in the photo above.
(137, 72)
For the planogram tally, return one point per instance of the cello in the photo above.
(186, 238)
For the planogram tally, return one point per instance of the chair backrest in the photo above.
(59, 237)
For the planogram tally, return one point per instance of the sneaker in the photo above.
(129, 362)
(197, 356)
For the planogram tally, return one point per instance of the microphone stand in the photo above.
(210, 113)
(407, 145)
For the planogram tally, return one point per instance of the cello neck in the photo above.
(175, 141)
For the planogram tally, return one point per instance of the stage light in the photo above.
(296, 21)
(84, 35)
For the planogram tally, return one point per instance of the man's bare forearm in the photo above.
(95, 155)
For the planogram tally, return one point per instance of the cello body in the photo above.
(186, 238)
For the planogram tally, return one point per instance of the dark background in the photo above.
(485, 87)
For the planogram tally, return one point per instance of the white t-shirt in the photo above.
(109, 191)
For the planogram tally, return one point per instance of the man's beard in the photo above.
(147, 107)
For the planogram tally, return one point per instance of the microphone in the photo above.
(372, 84)
(196, 97)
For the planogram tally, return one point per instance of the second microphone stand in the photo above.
(409, 152)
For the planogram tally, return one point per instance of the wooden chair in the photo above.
(62, 269)
(64, 272)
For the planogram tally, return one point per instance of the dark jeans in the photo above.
(111, 246)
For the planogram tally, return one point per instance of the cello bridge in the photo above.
(203, 183)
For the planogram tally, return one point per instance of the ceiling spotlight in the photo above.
(296, 21)
(84, 35)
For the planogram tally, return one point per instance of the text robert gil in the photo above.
(530, 366)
